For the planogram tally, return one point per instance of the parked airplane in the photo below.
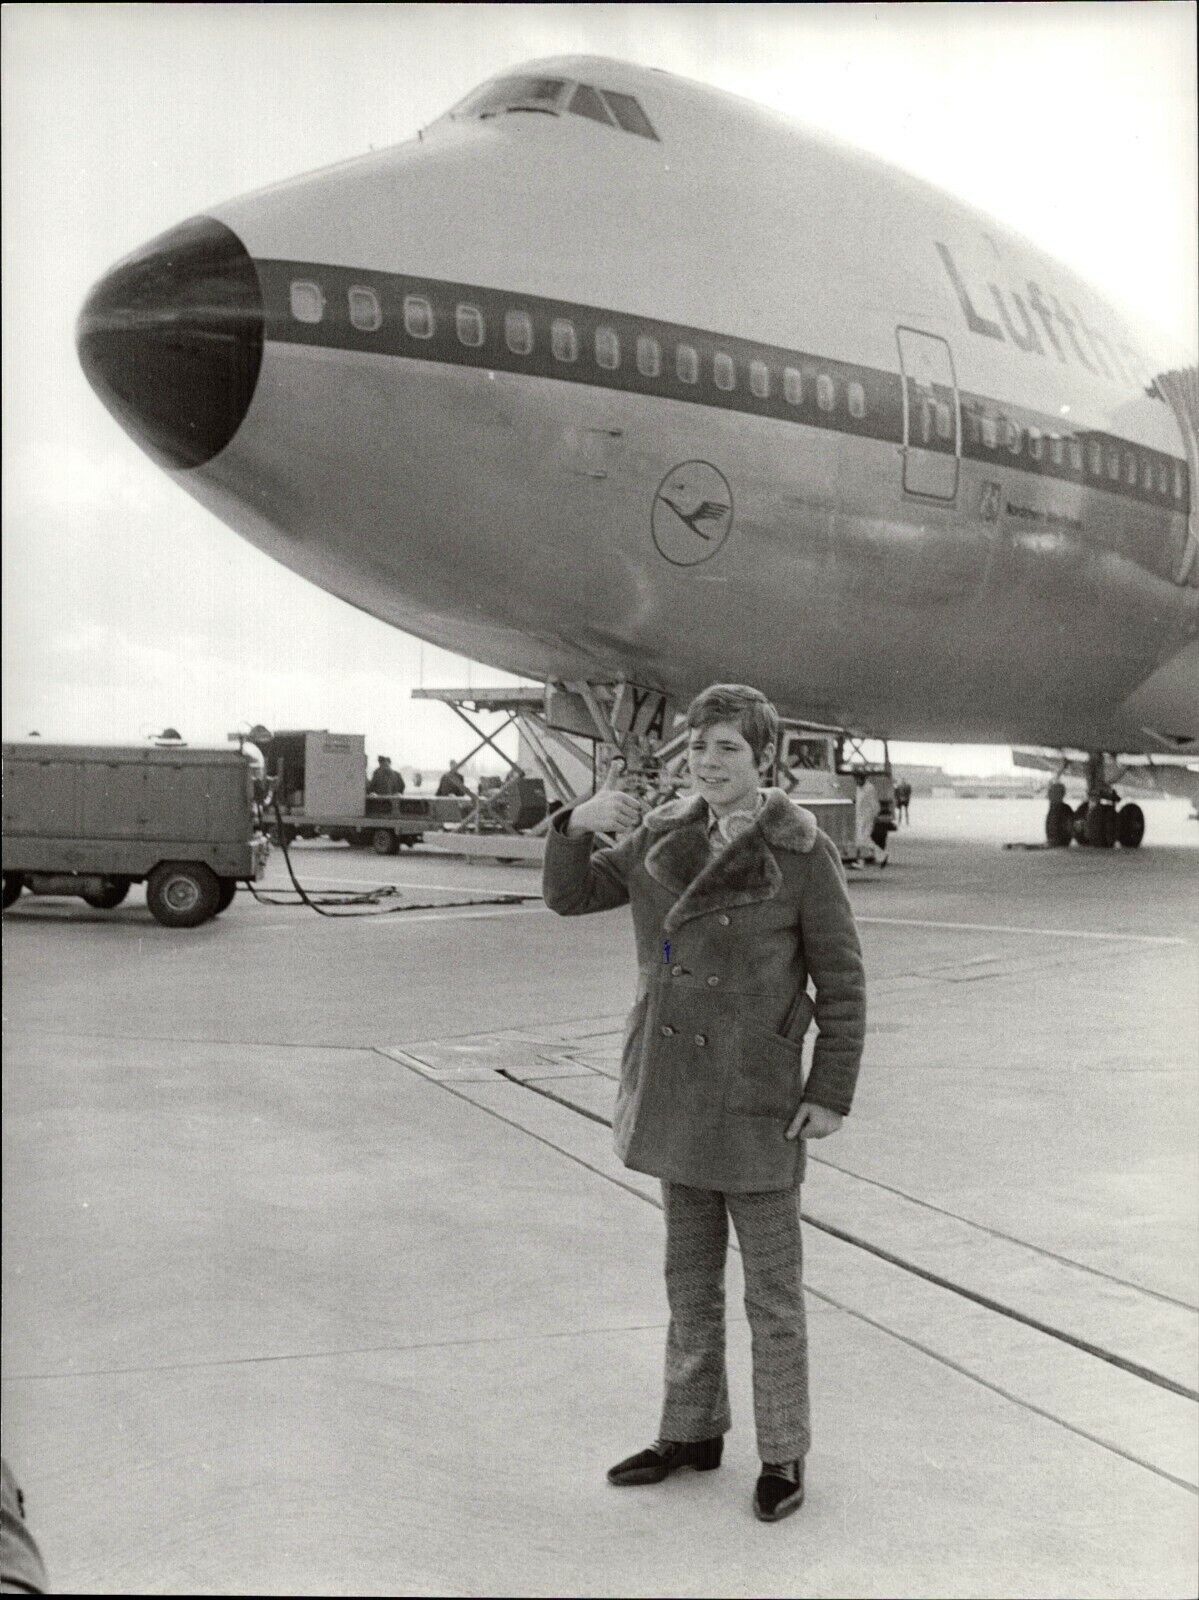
(611, 377)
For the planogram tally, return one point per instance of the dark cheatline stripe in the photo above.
(880, 402)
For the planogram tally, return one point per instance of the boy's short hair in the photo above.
(749, 709)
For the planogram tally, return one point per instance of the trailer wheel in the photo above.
(14, 882)
(224, 899)
(113, 892)
(384, 842)
(182, 894)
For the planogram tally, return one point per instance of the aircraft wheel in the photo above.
(1101, 826)
(182, 894)
(225, 895)
(113, 892)
(384, 842)
(1095, 824)
(1130, 826)
(14, 882)
(1059, 820)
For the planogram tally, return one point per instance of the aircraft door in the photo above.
(932, 416)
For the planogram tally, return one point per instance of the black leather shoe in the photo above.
(779, 1490)
(665, 1456)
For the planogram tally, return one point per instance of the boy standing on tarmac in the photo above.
(738, 899)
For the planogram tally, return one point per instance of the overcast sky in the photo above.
(126, 606)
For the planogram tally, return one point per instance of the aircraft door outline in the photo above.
(932, 415)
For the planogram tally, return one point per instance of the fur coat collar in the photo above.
(741, 873)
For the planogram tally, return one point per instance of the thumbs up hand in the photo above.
(610, 809)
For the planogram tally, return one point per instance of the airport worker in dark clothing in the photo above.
(385, 779)
(451, 782)
(737, 900)
(903, 798)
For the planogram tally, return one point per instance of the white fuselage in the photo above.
(914, 477)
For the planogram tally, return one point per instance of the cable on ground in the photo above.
(365, 898)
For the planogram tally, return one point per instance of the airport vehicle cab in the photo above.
(91, 820)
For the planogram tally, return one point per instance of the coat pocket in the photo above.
(634, 1030)
(767, 1076)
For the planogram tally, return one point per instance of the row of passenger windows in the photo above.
(1100, 459)
(933, 418)
(566, 346)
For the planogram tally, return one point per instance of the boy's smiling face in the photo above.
(723, 766)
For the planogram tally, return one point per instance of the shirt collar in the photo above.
(725, 829)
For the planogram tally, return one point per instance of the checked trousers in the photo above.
(696, 1404)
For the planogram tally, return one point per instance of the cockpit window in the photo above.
(554, 95)
(586, 103)
(513, 94)
(628, 113)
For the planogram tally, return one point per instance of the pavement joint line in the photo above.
(328, 1355)
(850, 1311)
(1051, 933)
(615, 1020)
(1007, 1394)
(594, 1116)
(582, 1111)
(448, 1084)
(890, 1189)
(998, 1233)
(173, 1038)
(1133, 1368)
(538, 1084)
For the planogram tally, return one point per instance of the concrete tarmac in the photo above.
(321, 1276)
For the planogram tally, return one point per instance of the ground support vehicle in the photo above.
(91, 820)
(564, 729)
(816, 766)
(318, 780)
(383, 824)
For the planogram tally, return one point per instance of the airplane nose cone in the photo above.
(171, 341)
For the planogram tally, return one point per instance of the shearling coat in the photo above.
(726, 942)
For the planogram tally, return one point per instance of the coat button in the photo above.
(713, 981)
(667, 1030)
(701, 1039)
(676, 972)
(723, 920)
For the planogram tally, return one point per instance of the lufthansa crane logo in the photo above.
(693, 513)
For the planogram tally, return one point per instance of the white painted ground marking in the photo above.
(366, 885)
(1052, 933)
(460, 914)
(398, 919)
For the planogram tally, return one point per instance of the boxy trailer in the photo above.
(90, 820)
(319, 781)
